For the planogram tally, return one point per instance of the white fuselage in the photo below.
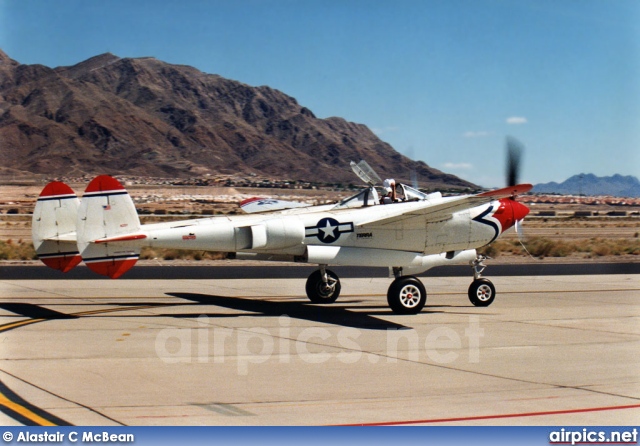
(331, 236)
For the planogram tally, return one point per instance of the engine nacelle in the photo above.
(224, 236)
(411, 261)
(277, 234)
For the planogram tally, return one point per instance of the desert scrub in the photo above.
(544, 247)
(537, 246)
(20, 250)
(179, 254)
(612, 247)
(501, 246)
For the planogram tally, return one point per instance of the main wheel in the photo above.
(319, 292)
(406, 295)
(482, 292)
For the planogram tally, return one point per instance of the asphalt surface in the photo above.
(551, 350)
(195, 271)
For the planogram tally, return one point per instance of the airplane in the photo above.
(415, 232)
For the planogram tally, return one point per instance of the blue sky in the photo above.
(443, 81)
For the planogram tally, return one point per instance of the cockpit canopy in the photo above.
(366, 197)
(370, 197)
(406, 193)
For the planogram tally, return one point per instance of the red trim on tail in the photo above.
(63, 263)
(104, 183)
(56, 188)
(124, 238)
(250, 200)
(113, 268)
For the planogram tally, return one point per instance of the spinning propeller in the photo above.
(514, 159)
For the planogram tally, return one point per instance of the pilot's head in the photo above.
(388, 185)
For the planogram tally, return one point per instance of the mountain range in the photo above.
(589, 184)
(145, 117)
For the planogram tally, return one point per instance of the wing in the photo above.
(256, 205)
(442, 210)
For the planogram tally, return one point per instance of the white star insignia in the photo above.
(329, 230)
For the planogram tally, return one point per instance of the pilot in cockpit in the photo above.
(389, 186)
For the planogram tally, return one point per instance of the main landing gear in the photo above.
(406, 294)
(323, 286)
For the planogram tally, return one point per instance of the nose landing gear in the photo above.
(481, 291)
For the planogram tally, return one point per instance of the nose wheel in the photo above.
(481, 291)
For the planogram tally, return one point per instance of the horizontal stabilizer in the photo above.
(122, 238)
(53, 227)
(68, 237)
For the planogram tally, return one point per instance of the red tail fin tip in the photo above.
(111, 267)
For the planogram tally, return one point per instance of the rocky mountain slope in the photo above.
(589, 184)
(149, 118)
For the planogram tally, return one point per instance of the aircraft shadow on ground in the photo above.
(34, 311)
(334, 314)
(337, 314)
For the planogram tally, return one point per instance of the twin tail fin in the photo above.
(67, 230)
(53, 227)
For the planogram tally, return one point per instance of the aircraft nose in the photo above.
(520, 211)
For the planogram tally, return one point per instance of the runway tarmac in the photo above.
(268, 270)
(551, 350)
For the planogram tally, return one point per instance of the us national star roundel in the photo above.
(328, 230)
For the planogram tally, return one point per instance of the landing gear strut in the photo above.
(481, 292)
(406, 294)
(323, 286)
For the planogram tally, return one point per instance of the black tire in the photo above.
(318, 292)
(482, 292)
(406, 295)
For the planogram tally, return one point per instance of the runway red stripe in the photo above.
(497, 416)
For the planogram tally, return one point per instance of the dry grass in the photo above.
(182, 254)
(20, 250)
(544, 247)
